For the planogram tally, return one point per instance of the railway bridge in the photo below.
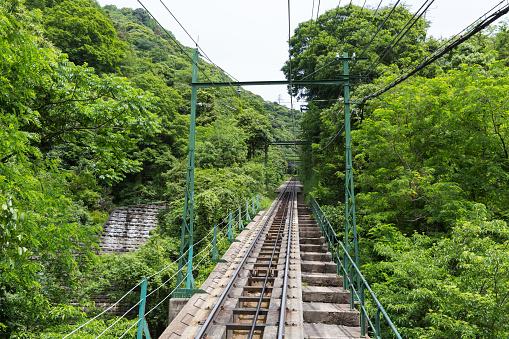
(287, 276)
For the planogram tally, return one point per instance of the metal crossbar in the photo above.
(353, 279)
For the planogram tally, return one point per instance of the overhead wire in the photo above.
(377, 8)
(379, 28)
(196, 43)
(403, 32)
(290, 60)
(175, 41)
(224, 73)
(484, 21)
(363, 5)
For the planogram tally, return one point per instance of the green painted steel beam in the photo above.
(335, 82)
(350, 224)
(187, 227)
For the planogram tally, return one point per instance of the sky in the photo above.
(249, 39)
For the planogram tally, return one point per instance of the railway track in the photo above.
(249, 304)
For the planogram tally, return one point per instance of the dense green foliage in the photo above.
(431, 171)
(94, 113)
(317, 45)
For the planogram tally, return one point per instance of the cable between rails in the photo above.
(221, 298)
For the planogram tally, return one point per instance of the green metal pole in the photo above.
(230, 230)
(253, 207)
(266, 164)
(248, 217)
(141, 310)
(187, 228)
(350, 220)
(215, 254)
(241, 224)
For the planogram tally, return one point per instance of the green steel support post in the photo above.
(215, 254)
(241, 224)
(363, 316)
(230, 230)
(350, 219)
(142, 322)
(253, 207)
(266, 164)
(187, 228)
(248, 217)
(377, 323)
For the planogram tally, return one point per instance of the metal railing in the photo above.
(353, 280)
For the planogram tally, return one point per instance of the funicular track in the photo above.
(256, 306)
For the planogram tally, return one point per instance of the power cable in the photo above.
(175, 41)
(225, 74)
(315, 71)
(481, 23)
(404, 31)
(379, 28)
(196, 43)
(365, 47)
(333, 138)
(363, 5)
(376, 10)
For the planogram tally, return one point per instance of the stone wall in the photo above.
(128, 227)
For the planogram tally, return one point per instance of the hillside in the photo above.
(95, 114)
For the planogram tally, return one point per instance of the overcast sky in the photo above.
(249, 38)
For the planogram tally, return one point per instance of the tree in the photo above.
(257, 127)
(316, 46)
(81, 29)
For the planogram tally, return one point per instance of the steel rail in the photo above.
(282, 309)
(278, 239)
(228, 287)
